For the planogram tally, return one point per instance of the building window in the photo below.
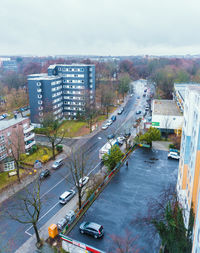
(2, 148)
(9, 166)
(1, 138)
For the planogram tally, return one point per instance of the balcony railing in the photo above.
(28, 146)
(31, 136)
(27, 130)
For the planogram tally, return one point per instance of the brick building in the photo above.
(16, 136)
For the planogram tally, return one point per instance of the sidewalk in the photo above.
(29, 246)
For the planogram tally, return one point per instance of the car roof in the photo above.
(61, 220)
(173, 153)
(93, 225)
(58, 160)
(65, 194)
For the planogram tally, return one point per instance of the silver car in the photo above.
(62, 222)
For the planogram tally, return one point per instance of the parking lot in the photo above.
(126, 197)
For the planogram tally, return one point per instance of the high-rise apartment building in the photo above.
(64, 91)
(188, 184)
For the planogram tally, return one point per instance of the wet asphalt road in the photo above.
(12, 233)
(126, 198)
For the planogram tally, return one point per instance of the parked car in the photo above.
(61, 224)
(66, 196)
(57, 164)
(138, 112)
(120, 140)
(110, 136)
(120, 110)
(83, 181)
(114, 117)
(109, 122)
(92, 229)
(104, 126)
(174, 155)
(44, 173)
(127, 135)
(70, 216)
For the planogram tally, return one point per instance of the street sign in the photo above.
(155, 123)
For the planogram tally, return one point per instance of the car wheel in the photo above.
(82, 232)
(95, 236)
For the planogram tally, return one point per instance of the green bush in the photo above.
(171, 146)
(33, 149)
(59, 148)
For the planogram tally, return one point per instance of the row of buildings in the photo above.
(64, 92)
(182, 116)
(188, 183)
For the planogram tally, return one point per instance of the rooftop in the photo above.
(195, 88)
(6, 123)
(165, 107)
(69, 65)
(44, 77)
(180, 88)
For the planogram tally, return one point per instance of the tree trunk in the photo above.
(79, 199)
(18, 176)
(37, 233)
(107, 112)
(53, 150)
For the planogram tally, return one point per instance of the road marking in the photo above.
(94, 168)
(42, 218)
(53, 187)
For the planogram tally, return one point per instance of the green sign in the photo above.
(155, 123)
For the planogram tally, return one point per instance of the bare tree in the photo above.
(15, 147)
(28, 208)
(126, 244)
(77, 168)
(107, 98)
(52, 131)
(90, 114)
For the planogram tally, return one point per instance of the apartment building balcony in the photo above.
(27, 130)
(29, 144)
(29, 137)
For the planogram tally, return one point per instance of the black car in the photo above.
(127, 135)
(44, 173)
(92, 229)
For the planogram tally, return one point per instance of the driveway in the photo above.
(126, 197)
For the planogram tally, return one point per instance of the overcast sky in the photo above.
(99, 27)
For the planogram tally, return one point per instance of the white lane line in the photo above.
(42, 217)
(28, 233)
(53, 187)
(93, 169)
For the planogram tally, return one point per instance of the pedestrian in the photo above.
(127, 163)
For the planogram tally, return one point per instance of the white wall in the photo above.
(168, 121)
